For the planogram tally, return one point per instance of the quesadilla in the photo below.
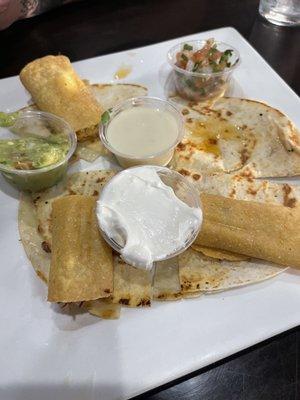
(198, 273)
(166, 285)
(132, 286)
(237, 135)
(240, 187)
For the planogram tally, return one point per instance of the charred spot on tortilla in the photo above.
(184, 172)
(196, 177)
(46, 247)
(244, 156)
(252, 191)
(181, 146)
(288, 201)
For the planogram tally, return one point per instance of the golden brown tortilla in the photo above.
(81, 263)
(55, 87)
(265, 231)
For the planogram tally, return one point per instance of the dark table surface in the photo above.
(92, 28)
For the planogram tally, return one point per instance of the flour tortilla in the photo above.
(166, 285)
(132, 286)
(260, 141)
(200, 273)
(109, 95)
(31, 239)
(245, 188)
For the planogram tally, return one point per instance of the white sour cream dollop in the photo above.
(145, 217)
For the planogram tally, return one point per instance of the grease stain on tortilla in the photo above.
(205, 135)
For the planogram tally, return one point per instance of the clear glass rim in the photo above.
(192, 190)
(178, 47)
(72, 140)
(135, 102)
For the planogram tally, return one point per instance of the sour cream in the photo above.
(144, 217)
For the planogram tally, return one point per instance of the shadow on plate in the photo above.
(71, 317)
(8, 189)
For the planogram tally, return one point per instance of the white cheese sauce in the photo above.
(142, 131)
(142, 214)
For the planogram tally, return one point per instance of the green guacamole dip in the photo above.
(33, 152)
(37, 156)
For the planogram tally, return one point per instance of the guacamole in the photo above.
(8, 119)
(31, 152)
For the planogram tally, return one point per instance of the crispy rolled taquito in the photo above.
(81, 263)
(266, 231)
(55, 87)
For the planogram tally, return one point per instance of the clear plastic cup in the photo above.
(163, 157)
(202, 86)
(37, 124)
(183, 189)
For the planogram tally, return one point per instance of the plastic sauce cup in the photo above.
(183, 189)
(162, 157)
(38, 124)
(202, 86)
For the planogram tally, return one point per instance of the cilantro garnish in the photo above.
(187, 47)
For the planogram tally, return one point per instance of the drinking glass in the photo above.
(281, 12)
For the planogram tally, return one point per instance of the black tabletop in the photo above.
(91, 28)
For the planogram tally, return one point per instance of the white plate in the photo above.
(47, 355)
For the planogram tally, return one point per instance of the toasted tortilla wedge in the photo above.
(200, 273)
(166, 285)
(132, 286)
(264, 231)
(81, 262)
(238, 135)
